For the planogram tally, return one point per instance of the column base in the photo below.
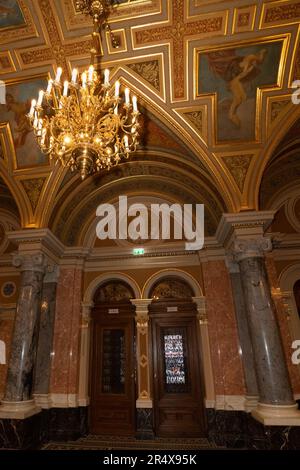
(144, 429)
(42, 400)
(18, 409)
(277, 415)
(251, 402)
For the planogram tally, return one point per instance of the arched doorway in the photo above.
(178, 386)
(112, 369)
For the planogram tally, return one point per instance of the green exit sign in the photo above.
(138, 251)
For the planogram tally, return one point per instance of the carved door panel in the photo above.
(178, 394)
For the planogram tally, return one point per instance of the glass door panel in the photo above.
(113, 361)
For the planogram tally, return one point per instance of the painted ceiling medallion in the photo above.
(84, 123)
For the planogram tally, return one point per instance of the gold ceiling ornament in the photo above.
(84, 123)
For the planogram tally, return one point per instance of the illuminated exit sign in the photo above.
(138, 251)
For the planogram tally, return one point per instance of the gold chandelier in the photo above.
(84, 123)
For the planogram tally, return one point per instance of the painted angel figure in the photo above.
(236, 71)
(20, 110)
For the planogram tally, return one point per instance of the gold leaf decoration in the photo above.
(149, 71)
(196, 118)
(277, 107)
(33, 189)
(238, 167)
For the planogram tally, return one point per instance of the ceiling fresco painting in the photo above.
(214, 74)
(236, 76)
(18, 99)
(11, 14)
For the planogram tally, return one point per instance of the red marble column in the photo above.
(66, 344)
(283, 324)
(222, 327)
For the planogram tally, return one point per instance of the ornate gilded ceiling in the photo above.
(214, 79)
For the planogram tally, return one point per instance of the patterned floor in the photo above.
(130, 443)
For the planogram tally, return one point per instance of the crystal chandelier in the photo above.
(84, 123)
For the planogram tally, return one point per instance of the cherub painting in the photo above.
(10, 14)
(14, 111)
(235, 75)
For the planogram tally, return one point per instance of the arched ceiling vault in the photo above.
(182, 58)
(282, 174)
(159, 174)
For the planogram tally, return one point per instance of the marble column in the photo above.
(244, 333)
(276, 401)
(45, 342)
(20, 377)
(205, 352)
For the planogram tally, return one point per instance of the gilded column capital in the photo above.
(201, 309)
(141, 313)
(30, 262)
(286, 298)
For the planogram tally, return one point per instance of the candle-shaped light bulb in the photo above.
(106, 77)
(91, 73)
(127, 95)
(58, 74)
(83, 79)
(116, 110)
(41, 97)
(117, 89)
(134, 103)
(35, 122)
(40, 125)
(44, 132)
(126, 141)
(49, 88)
(33, 104)
(74, 75)
(66, 87)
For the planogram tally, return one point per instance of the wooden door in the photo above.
(178, 387)
(113, 370)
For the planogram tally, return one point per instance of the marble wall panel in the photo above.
(222, 327)
(66, 343)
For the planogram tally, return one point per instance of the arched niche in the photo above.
(114, 291)
(179, 276)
